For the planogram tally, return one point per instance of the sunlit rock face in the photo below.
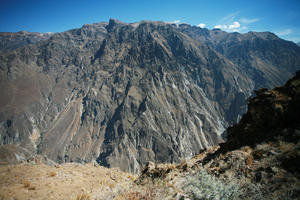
(125, 94)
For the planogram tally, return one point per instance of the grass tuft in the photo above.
(83, 196)
(52, 173)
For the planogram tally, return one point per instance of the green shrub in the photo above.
(204, 186)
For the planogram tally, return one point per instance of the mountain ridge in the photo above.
(259, 160)
(124, 94)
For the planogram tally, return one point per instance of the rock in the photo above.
(10, 41)
(150, 166)
(94, 162)
(125, 94)
(14, 154)
(270, 114)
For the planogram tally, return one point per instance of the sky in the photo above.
(279, 16)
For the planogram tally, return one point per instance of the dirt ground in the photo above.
(66, 181)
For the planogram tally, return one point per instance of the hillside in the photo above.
(259, 161)
(123, 94)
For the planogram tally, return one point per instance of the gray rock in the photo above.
(125, 94)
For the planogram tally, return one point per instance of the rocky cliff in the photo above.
(124, 94)
(260, 160)
(10, 41)
(271, 114)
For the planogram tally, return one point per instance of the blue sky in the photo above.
(279, 16)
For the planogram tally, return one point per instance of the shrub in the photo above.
(249, 160)
(205, 186)
(52, 173)
(26, 184)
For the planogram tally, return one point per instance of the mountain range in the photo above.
(124, 94)
(259, 160)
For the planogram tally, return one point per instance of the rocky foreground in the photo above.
(260, 160)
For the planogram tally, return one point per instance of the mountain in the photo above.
(10, 41)
(262, 55)
(260, 160)
(298, 43)
(123, 94)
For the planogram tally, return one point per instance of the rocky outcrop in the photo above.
(271, 113)
(125, 94)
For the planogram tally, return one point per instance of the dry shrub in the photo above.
(136, 195)
(170, 185)
(286, 147)
(31, 187)
(26, 184)
(247, 149)
(131, 177)
(111, 184)
(172, 166)
(83, 196)
(249, 161)
(151, 189)
(107, 182)
(52, 173)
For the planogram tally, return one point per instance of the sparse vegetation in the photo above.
(31, 187)
(26, 184)
(206, 186)
(249, 160)
(150, 189)
(83, 196)
(52, 173)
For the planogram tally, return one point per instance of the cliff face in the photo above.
(260, 160)
(262, 55)
(10, 41)
(124, 94)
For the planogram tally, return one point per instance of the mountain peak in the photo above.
(114, 22)
(128, 93)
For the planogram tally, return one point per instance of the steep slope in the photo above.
(10, 41)
(265, 58)
(160, 100)
(270, 113)
(42, 84)
(123, 94)
(265, 166)
(260, 160)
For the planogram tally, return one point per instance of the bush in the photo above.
(205, 186)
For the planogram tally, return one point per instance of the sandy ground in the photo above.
(66, 181)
